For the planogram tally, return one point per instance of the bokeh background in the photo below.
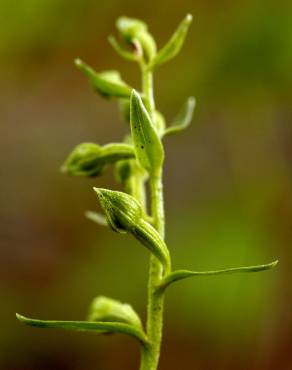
(227, 181)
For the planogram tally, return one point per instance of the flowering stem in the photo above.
(150, 355)
(147, 86)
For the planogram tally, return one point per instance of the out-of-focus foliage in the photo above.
(236, 203)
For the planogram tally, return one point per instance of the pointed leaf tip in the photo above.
(20, 317)
(183, 274)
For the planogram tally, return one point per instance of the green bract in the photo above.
(172, 48)
(183, 119)
(148, 146)
(137, 160)
(89, 159)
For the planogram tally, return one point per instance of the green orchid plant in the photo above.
(137, 160)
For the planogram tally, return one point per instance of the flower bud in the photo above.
(124, 214)
(133, 55)
(122, 211)
(107, 309)
(107, 83)
(88, 159)
(136, 32)
(130, 27)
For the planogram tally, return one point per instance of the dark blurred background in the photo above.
(227, 181)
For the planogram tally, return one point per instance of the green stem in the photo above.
(147, 85)
(150, 355)
(155, 298)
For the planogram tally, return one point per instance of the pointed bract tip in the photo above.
(189, 17)
(97, 190)
(101, 191)
(78, 62)
(192, 100)
(135, 94)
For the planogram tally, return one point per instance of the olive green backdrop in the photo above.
(227, 180)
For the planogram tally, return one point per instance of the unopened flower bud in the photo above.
(107, 309)
(88, 159)
(124, 214)
(107, 83)
(136, 32)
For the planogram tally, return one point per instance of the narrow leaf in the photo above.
(183, 274)
(183, 119)
(107, 83)
(98, 327)
(96, 217)
(148, 147)
(174, 45)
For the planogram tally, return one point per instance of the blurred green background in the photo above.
(227, 180)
